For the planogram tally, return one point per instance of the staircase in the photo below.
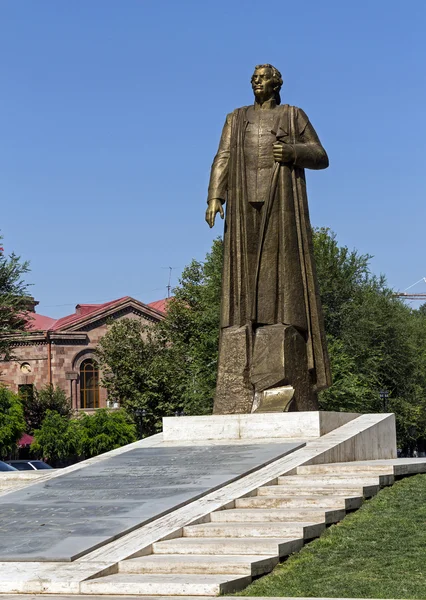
(248, 537)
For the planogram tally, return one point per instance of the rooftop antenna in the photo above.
(169, 286)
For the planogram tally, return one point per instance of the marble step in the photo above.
(200, 564)
(9, 485)
(394, 466)
(311, 515)
(306, 531)
(330, 490)
(341, 480)
(165, 585)
(229, 546)
(325, 502)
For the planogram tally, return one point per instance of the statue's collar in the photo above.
(266, 105)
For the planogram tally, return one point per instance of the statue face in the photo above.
(263, 84)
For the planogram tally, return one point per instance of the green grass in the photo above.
(377, 552)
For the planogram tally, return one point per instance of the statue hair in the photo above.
(276, 75)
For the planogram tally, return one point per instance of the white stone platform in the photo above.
(290, 425)
(237, 531)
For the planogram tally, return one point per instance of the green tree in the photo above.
(62, 439)
(342, 273)
(411, 416)
(14, 299)
(105, 430)
(12, 424)
(169, 367)
(138, 372)
(374, 340)
(351, 390)
(36, 403)
(58, 439)
(422, 310)
(191, 329)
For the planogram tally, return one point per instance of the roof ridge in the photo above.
(44, 323)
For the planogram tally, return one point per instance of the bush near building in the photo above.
(63, 440)
(12, 423)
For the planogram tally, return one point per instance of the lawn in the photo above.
(377, 552)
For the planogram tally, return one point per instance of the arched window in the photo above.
(89, 384)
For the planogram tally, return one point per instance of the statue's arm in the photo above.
(308, 151)
(218, 185)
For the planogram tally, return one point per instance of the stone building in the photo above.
(61, 352)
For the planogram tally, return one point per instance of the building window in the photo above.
(89, 384)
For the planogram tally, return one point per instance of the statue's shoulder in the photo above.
(241, 111)
(298, 112)
(289, 108)
(296, 109)
(294, 114)
(238, 111)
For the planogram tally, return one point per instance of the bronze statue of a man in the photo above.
(272, 331)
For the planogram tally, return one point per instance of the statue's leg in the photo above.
(280, 359)
(234, 391)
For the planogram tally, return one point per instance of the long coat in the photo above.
(269, 273)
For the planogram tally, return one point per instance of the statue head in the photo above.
(266, 82)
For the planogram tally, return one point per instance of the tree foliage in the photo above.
(170, 367)
(105, 430)
(191, 331)
(375, 341)
(13, 299)
(61, 438)
(137, 372)
(12, 424)
(58, 438)
(36, 403)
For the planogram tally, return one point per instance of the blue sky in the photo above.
(111, 112)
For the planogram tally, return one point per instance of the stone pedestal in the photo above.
(254, 363)
(293, 425)
(279, 359)
(234, 391)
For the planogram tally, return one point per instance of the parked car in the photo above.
(5, 467)
(29, 465)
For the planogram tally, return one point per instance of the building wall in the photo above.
(66, 357)
(35, 356)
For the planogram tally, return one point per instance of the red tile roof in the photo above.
(42, 323)
(87, 309)
(39, 322)
(160, 305)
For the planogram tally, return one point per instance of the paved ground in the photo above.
(68, 516)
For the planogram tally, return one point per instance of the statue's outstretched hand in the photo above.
(283, 153)
(214, 207)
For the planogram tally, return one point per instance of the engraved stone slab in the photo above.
(68, 516)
